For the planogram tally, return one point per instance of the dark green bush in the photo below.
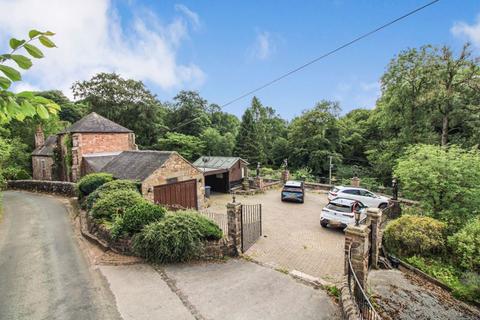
(411, 235)
(136, 217)
(209, 229)
(109, 187)
(92, 181)
(466, 245)
(115, 203)
(176, 238)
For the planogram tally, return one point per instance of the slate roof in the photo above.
(94, 122)
(47, 149)
(96, 161)
(136, 165)
(217, 162)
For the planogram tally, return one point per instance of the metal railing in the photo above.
(220, 219)
(362, 302)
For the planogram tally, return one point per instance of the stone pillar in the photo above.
(285, 175)
(357, 237)
(39, 137)
(355, 182)
(374, 216)
(259, 183)
(245, 182)
(234, 215)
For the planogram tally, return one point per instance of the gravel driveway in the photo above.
(292, 236)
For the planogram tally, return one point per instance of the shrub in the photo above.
(92, 181)
(136, 217)
(109, 187)
(176, 238)
(115, 203)
(303, 174)
(410, 235)
(466, 245)
(209, 229)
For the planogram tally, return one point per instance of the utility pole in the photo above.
(330, 171)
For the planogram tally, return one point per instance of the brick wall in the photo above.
(175, 168)
(42, 168)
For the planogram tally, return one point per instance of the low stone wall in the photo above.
(318, 186)
(68, 189)
(347, 302)
(272, 184)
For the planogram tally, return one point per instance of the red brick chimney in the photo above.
(39, 137)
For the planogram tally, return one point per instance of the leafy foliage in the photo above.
(411, 235)
(24, 104)
(107, 187)
(91, 182)
(176, 238)
(189, 147)
(136, 217)
(115, 203)
(466, 245)
(445, 180)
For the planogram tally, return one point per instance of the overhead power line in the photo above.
(323, 56)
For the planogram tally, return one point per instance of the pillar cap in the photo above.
(374, 212)
(361, 230)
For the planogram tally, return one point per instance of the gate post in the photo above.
(234, 215)
(357, 236)
(374, 220)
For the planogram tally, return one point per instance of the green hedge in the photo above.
(176, 238)
(91, 182)
(411, 235)
(466, 245)
(136, 217)
(114, 185)
(115, 203)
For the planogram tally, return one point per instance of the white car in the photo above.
(366, 197)
(340, 212)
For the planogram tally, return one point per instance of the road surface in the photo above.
(43, 274)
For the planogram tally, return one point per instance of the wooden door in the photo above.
(177, 195)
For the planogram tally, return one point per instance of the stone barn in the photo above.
(222, 173)
(166, 177)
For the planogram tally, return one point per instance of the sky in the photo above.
(223, 49)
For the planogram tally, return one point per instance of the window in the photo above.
(243, 172)
(339, 207)
(351, 191)
(44, 169)
(366, 193)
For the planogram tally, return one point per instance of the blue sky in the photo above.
(225, 48)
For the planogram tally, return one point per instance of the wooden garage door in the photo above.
(179, 194)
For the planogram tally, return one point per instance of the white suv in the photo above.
(341, 212)
(366, 197)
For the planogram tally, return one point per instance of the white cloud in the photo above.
(263, 47)
(91, 38)
(469, 31)
(357, 94)
(193, 16)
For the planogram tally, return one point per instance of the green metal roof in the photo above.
(217, 162)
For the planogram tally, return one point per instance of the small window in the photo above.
(339, 207)
(243, 172)
(43, 168)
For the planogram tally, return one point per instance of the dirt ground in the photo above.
(292, 236)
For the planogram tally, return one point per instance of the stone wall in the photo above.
(57, 187)
(347, 302)
(42, 167)
(318, 186)
(178, 169)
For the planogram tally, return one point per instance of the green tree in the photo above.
(126, 102)
(444, 180)
(190, 147)
(216, 144)
(223, 122)
(248, 145)
(188, 114)
(70, 111)
(24, 104)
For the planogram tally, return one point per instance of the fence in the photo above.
(219, 218)
(365, 307)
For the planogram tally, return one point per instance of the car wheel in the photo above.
(324, 223)
(382, 206)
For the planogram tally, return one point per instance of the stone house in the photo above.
(165, 176)
(222, 173)
(42, 156)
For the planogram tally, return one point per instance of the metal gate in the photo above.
(251, 224)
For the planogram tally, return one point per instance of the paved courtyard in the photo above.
(292, 236)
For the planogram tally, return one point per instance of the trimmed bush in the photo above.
(136, 217)
(411, 235)
(92, 181)
(208, 228)
(109, 187)
(466, 245)
(176, 238)
(115, 203)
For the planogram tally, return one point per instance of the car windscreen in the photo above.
(339, 207)
(292, 189)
